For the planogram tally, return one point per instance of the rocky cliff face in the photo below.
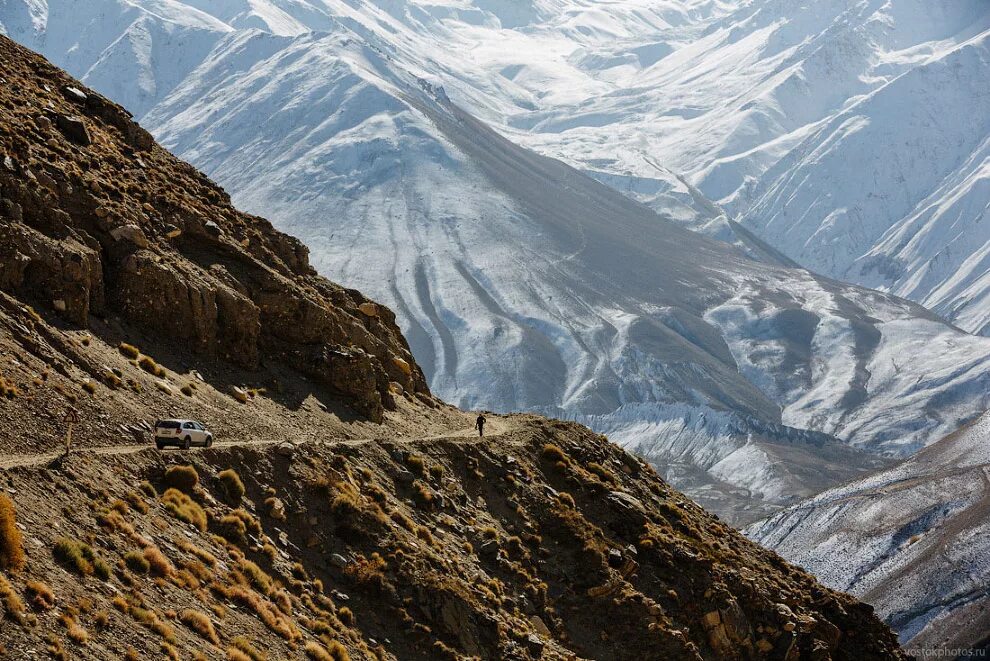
(98, 220)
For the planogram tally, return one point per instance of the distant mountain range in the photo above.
(521, 282)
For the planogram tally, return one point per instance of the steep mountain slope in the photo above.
(309, 530)
(759, 105)
(911, 540)
(748, 101)
(524, 285)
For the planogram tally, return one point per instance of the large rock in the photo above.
(350, 372)
(74, 129)
(136, 137)
(131, 233)
(67, 272)
(185, 303)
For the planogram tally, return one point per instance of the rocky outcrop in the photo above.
(99, 220)
(67, 275)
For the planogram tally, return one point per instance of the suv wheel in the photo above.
(209, 441)
(187, 443)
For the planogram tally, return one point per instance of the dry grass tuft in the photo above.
(346, 615)
(200, 623)
(367, 570)
(135, 501)
(235, 526)
(159, 564)
(242, 645)
(232, 529)
(80, 558)
(204, 556)
(41, 596)
(603, 473)
(151, 620)
(11, 605)
(317, 652)
(148, 364)
(271, 616)
(102, 620)
(136, 562)
(56, 650)
(7, 389)
(232, 485)
(11, 540)
(259, 579)
(183, 478)
(74, 630)
(129, 351)
(417, 464)
(337, 651)
(400, 518)
(184, 508)
(422, 494)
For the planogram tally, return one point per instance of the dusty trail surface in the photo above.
(494, 429)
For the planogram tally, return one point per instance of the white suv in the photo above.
(182, 434)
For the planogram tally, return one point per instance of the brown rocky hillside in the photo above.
(344, 513)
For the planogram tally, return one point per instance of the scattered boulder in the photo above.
(131, 233)
(402, 365)
(74, 94)
(240, 394)
(74, 129)
(535, 645)
(540, 626)
(368, 309)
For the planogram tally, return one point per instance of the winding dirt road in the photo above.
(495, 427)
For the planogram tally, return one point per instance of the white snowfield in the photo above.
(912, 541)
(520, 282)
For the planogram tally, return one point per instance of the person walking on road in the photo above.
(480, 426)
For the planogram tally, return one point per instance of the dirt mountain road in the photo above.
(494, 428)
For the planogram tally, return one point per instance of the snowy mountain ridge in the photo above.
(911, 540)
(520, 282)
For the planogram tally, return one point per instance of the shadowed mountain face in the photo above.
(911, 540)
(524, 284)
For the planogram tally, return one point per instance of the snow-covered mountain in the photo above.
(521, 282)
(912, 541)
(850, 136)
